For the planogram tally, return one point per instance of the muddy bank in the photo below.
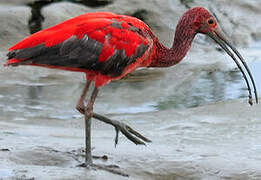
(185, 145)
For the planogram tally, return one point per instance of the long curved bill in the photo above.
(217, 36)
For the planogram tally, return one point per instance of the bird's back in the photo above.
(95, 43)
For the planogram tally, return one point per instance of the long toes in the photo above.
(104, 157)
(84, 165)
(131, 134)
(81, 165)
(134, 139)
(137, 134)
(126, 130)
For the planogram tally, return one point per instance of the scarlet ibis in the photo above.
(107, 46)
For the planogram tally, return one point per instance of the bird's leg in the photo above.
(88, 115)
(130, 133)
(80, 105)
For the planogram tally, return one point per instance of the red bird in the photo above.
(107, 46)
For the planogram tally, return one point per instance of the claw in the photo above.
(138, 134)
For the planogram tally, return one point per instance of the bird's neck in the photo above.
(165, 57)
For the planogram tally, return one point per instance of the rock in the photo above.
(14, 24)
(58, 12)
(256, 35)
(17, 2)
(161, 17)
(96, 3)
(238, 18)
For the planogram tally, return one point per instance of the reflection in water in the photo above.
(33, 92)
(31, 101)
(208, 87)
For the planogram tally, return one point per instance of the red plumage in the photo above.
(114, 32)
(64, 30)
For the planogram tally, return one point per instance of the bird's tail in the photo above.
(12, 62)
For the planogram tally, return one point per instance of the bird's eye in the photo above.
(210, 21)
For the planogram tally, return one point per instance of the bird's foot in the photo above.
(109, 168)
(86, 165)
(130, 133)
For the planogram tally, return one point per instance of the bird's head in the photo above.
(203, 21)
(199, 20)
